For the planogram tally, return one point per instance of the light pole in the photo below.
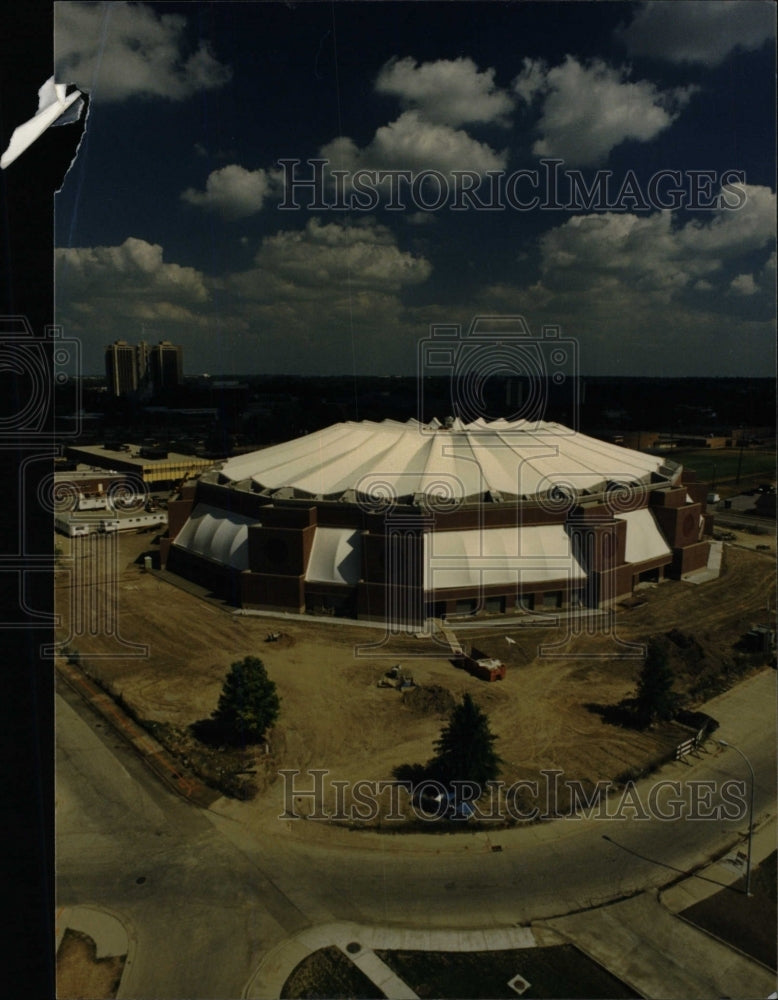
(724, 743)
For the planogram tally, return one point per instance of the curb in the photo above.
(726, 944)
(277, 965)
(568, 939)
(666, 893)
(106, 930)
(712, 889)
(152, 753)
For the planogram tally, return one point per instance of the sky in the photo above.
(605, 170)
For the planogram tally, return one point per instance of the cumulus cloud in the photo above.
(323, 297)
(588, 110)
(232, 191)
(651, 251)
(744, 284)
(732, 232)
(318, 299)
(688, 31)
(121, 50)
(637, 290)
(413, 143)
(633, 289)
(127, 291)
(410, 143)
(747, 283)
(138, 265)
(448, 91)
(333, 259)
(438, 97)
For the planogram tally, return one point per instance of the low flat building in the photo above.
(151, 471)
(107, 522)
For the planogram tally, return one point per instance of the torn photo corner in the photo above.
(55, 107)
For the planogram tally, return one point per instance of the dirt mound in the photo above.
(706, 663)
(432, 699)
(236, 772)
(689, 651)
(279, 639)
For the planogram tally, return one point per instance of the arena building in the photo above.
(402, 522)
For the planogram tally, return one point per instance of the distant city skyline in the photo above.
(310, 188)
(143, 366)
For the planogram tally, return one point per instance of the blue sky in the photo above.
(170, 223)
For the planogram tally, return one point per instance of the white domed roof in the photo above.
(481, 460)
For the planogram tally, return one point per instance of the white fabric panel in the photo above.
(519, 457)
(474, 558)
(282, 463)
(217, 534)
(335, 556)
(644, 539)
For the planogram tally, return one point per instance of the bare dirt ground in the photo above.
(334, 716)
(80, 976)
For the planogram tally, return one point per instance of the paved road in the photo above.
(204, 912)
(727, 518)
(218, 894)
(541, 871)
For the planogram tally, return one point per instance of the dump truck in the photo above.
(488, 668)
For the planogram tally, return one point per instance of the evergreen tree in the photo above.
(655, 698)
(465, 749)
(248, 703)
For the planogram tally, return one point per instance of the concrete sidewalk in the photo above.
(112, 937)
(722, 872)
(359, 945)
(640, 940)
(154, 755)
(713, 569)
(661, 956)
(105, 929)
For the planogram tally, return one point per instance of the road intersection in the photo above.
(205, 896)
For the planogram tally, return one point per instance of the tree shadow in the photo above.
(624, 713)
(415, 774)
(697, 720)
(213, 733)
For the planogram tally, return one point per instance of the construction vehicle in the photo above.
(488, 668)
(397, 678)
